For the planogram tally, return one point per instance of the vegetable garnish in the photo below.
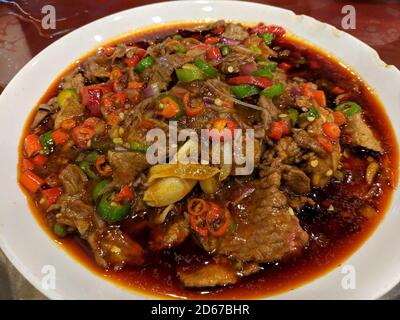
(218, 220)
(170, 107)
(272, 29)
(32, 145)
(325, 143)
(66, 94)
(274, 91)
(213, 53)
(110, 210)
(189, 110)
(279, 129)
(199, 225)
(206, 68)
(125, 194)
(102, 167)
(138, 147)
(99, 187)
(47, 142)
(189, 74)
(222, 129)
(267, 37)
(340, 118)
(261, 82)
(31, 181)
(245, 90)
(348, 108)
(331, 129)
(144, 64)
(51, 195)
(197, 206)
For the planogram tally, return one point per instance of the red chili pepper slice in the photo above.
(256, 81)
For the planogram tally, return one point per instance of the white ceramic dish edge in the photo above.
(74, 280)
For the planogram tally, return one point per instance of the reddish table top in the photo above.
(21, 35)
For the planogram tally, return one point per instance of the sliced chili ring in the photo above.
(197, 207)
(199, 225)
(218, 216)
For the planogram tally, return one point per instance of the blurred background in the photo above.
(22, 37)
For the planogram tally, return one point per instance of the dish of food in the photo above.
(324, 154)
(323, 171)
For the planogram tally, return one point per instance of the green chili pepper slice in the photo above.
(274, 90)
(205, 67)
(255, 49)
(267, 37)
(180, 49)
(264, 72)
(312, 113)
(224, 50)
(111, 211)
(189, 75)
(92, 157)
(269, 65)
(348, 108)
(47, 142)
(86, 167)
(60, 230)
(245, 90)
(293, 115)
(139, 147)
(144, 64)
(99, 187)
(177, 37)
(66, 94)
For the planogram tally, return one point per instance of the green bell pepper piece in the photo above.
(206, 68)
(274, 90)
(189, 75)
(245, 90)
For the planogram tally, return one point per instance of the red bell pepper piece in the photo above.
(278, 129)
(262, 28)
(256, 81)
(213, 53)
(52, 195)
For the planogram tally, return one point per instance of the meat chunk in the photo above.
(209, 275)
(295, 180)
(306, 141)
(361, 134)
(285, 150)
(113, 249)
(235, 31)
(73, 179)
(73, 80)
(161, 72)
(269, 113)
(97, 66)
(126, 166)
(266, 230)
(169, 234)
(232, 62)
(71, 109)
(77, 214)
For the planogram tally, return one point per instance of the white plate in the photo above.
(377, 263)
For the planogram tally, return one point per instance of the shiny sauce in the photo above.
(333, 237)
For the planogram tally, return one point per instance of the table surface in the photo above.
(21, 38)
